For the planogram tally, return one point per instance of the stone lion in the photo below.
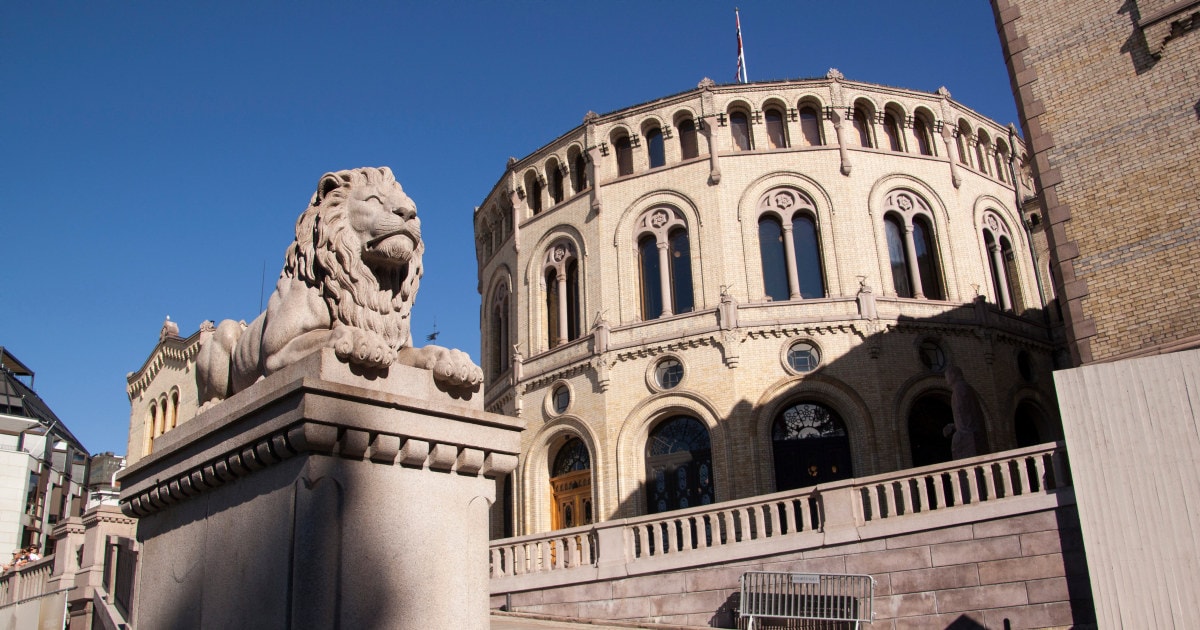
(348, 283)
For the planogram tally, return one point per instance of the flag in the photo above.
(741, 64)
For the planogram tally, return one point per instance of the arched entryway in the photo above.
(571, 486)
(1030, 425)
(927, 423)
(678, 465)
(810, 446)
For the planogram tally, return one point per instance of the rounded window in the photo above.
(932, 356)
(803, 357)
(668, 373)
(562, 399)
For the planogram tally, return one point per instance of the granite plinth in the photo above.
(322, 497)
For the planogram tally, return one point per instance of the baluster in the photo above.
(881, 502)
(743, 528)
(939, 491)
(1012, 477)
(1039, 466)
(493, 563)
(906, 498)
(673, 542)
(956, 492)
(724, 528)
(989, 486)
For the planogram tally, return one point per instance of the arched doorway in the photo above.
(571, 486)
(1030, 426)
(678, 465)
(810, 446)
(927, 429)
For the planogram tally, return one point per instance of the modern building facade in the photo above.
(1107, 93)
(748, 288)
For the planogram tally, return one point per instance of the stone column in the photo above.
(664, 275)
(789, 250)
(322, 497)
(1001, 277)
(561, 274)
(914, 271)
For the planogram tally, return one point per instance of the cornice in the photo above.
(170, 348)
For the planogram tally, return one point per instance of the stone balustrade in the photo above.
(26, 582)
(850, 510)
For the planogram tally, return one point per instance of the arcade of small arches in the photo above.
(793, 265)
(162, 415)
(809, 436)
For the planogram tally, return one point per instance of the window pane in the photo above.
(556, 182)
(808, 257)
(810, 126)
(926, 260)
(739, 126)
(624, 156)
(774, 259)
(552, 308)
(651, 280)
(862, 126)
(892, 129)
(573, 300)
(921, 130)
(775, 134)
(654, 143)
(579, 173)
(897, 257)
(688, 147)
(681, 272)
(534, 189)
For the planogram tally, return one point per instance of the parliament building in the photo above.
(748, 288)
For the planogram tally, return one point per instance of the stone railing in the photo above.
(26, 582)
(788, 521)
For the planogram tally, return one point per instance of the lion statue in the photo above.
(348, 283)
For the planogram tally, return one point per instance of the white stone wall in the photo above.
(736, 380)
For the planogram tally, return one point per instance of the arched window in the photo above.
(561, 270)
(862, 124)
(689, 147)
(533, 192)
(678, 465)
(579, 180)
(174, 409)
(790, 251)
(927, 422)
(499, 345)
(739, 127)
(665, 263)
(624, 155)
(810, 126)
(655, 148)
(908, 229)
(1001, 157)
(891, 128)
(924, 139)
(964, 133)
(776, 134)
(571, 485)
(1030, 425)
(982, 146)
(556, 182)
(810, 446)
(1001, 262)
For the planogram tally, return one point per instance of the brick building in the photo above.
(1107, 92)
(749, 288)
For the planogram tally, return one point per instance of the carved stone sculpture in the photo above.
(348, 282)
(969, 437)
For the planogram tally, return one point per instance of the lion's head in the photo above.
(359, 242)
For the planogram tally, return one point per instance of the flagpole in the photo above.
(741, 77)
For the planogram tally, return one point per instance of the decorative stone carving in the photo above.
(590, 118)
(348, 282)
(834, 74)
(866, 300)
(969, 438)
(169, 329)
(706, 84)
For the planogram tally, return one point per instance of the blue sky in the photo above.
(155, 155)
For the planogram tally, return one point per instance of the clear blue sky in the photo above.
(155, 155)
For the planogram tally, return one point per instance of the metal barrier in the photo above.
(807, 596)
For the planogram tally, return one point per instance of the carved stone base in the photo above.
(322, 498)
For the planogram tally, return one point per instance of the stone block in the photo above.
(1049, 615)
(982, 597)
(931, 537)
(649, 585)
(907, 605)
(937, 578)
(888, 561)
(1021, 569)
(976, 550)
(1035, 522)
(1048, 590)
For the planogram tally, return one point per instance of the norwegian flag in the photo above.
(741, 67)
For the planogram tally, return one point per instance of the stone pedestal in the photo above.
(322, 498)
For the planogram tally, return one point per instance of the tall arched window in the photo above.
(571, 485)
(678, 465)
(655, 148)
(1001, 262)
(174, 409)
(810, 126)
(927, 436)
(739, 127)
(556, 182)
(689, 147)
(533, 192)
(498, 344)
(810, 446)
(561, 270)
(1031, 426)
(1001, 157)
(579, 179)
(963, 136)
(921, 131)
(891, 128)
(912, 255)
(624, 155)
(862, 125)
(776, 133)
(789, 246)
(982, 146)
(665, 263)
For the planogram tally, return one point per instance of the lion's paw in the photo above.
(456, 368)
(363, 347)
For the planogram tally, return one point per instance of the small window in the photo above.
(688, 146)
(579, 173)
(810, 126)
(739, 126)
(668, 373)
(932, 356)
(862, 125)
(561, 399)
(921, 131)
(624, 156)
(654, 144)
(803, 357)
(891, 128)
(775, 130)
